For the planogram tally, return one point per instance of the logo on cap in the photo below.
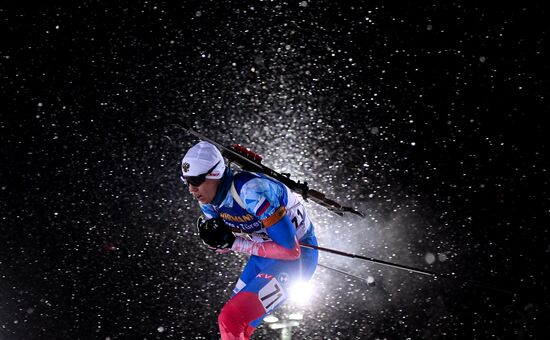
(185, 167)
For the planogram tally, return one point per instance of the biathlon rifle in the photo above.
(250, 161)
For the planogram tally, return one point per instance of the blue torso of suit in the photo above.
(261, 197)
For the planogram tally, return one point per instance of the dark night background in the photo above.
(430, 117)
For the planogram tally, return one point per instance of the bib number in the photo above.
(271, 294)
(298, 219)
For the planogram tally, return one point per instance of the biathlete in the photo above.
(250, 213)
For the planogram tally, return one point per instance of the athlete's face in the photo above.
(205, 192)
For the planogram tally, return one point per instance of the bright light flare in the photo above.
(300, 293)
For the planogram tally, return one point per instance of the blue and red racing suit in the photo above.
(269, 221)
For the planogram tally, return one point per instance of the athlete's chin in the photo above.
(203, 200)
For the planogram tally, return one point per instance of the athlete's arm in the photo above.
(262, 198)
(268, 249)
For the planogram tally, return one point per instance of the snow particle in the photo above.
(429, 258)
(271, 319)
(160, 329)
(370, 281)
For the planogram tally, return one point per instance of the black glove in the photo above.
(215, 233)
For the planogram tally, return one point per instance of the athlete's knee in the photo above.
(236, 315)
(229, 320)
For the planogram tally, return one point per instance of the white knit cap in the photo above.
(202, 157)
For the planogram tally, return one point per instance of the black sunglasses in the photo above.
(199, 179)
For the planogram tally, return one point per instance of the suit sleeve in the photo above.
(263, 198)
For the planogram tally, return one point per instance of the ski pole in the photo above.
(403, 267)
(369, 281)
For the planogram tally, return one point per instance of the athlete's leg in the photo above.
(265, 292)
(237, 313)
(258, 296)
